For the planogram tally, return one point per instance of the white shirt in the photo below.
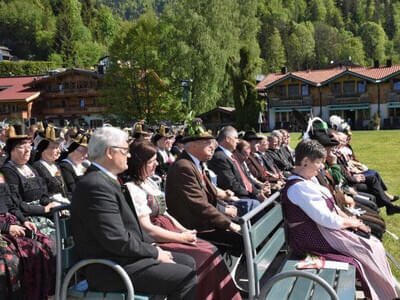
(226, 151)
(139, 195)
(105, 171)
(78, 169)
(309, 196)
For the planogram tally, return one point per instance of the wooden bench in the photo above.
(67, 265)
(271, 269)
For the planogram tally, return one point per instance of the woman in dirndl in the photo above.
(317, 226)
(214, 281)
(27, 188)
(27, 257)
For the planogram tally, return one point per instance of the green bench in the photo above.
(67, 265)
(271, 270)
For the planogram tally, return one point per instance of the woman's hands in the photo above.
(189, 236)
(16, 231)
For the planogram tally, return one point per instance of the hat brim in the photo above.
(19, 137)
(253, 138)
(196, 138)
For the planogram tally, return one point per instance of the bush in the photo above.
(22, 68)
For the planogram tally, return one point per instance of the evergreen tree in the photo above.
(374, 39)
(274, 52)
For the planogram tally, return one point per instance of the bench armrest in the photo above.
(59, 208)
(295, 273)
(117, 268)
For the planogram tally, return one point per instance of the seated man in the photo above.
(191, 197)
(105, 225)
(230, 174)
(275, 153)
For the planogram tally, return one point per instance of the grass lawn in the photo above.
(380, 150)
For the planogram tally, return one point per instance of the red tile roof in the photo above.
(13, 89)
(318, 77)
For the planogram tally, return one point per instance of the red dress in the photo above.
(214, 280)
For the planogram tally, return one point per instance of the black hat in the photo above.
(196, 131)
(140, 128)
(251, 136)
(17, 131)
(163, 131)
(324, 139)
(53, 134)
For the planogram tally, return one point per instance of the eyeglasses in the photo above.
(123, 150)
(25, 147)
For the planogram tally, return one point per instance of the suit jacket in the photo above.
(228, 175)
(105, 225)
(279, 160)
(191, 199)
(256, 169)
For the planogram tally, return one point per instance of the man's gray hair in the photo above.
(276, 133)
(102, 138)
(226, 131)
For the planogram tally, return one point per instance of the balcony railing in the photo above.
(347, 99)
(290, 101)
(73, 110)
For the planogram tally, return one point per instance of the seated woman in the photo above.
(71, 162)
(47, 152)
(317, 226)
(214, 281)
(24, 254)
(27, 187)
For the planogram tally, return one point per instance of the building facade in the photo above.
(69, 97)
(354, 93)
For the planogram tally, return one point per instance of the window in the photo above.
(361, 86)
(282, 90)
(293, 90)
(304, 90)
(337, 88)
(396, 84)
(349, 87)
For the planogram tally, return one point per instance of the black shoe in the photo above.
(392, 210)
(395, 198)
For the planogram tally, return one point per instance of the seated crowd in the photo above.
(165, 205)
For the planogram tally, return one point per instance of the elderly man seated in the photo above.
(192, 198)
(105, 225)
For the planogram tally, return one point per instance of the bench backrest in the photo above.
(263, 237)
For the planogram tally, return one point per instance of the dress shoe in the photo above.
(392, 210)
(395, 198)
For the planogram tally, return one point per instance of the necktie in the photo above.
(246, 181)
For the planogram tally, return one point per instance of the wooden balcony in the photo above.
(73, 110)
(291, 101)
(85, 92)
(348, 99)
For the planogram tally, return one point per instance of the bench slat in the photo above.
(346, 287)
(263, 227)
(302, 287)
(282, 289)
(329, 276)
(263, 259)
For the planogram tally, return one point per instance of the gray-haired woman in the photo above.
(317, 226)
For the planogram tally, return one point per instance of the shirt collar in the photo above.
(226, 151)
(196, 161)
(104, 170)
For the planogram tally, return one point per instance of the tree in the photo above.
(274, 52)
(133, 88)
(351, 46)
(374, 39)
(317, 10)
(300, 47)
(27, 28)
(326, 44)
(245, 95)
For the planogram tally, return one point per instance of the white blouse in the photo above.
(139, 195)
(310, 196)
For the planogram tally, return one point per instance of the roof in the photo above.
(47, 78)
(225, 109)
(14, 88)
(324, 76)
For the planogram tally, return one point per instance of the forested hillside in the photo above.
(201, 40)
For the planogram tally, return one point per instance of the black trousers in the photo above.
(225, 240)
(374, 187)
(176, 281)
